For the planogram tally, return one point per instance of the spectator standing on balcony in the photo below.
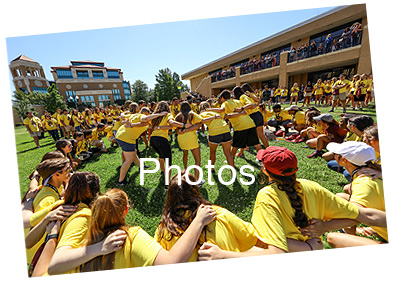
(292, 54)
(312, 49)
(345, 38)
(355, 34)
(328, 43)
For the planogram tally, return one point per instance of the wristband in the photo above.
(184, 126)
(52, 236)
(242, 109)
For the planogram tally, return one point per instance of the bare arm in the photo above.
(183, 248)
(67, 258)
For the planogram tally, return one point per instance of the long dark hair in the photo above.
(185, 114)
(182, 200)
(83, 187)
(162, 106)
(289, 184)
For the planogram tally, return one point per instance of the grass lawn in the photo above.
(148, 200)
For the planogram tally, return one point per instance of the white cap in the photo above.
(358, 153)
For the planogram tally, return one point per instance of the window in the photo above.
(88, 100)
(71, 97)
(64, 74)
(116, 94)
(113, 74)
(98, 74)
(83, 74)
(40, 89)
(87, 63)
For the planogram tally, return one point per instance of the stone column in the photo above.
(283, 77)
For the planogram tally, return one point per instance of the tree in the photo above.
(53, 100)
(168, 85)
(140, 91)
(21, 103)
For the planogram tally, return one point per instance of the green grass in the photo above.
(148, 200)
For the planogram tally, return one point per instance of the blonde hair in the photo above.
(107, 216)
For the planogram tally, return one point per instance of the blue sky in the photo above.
(141, 50)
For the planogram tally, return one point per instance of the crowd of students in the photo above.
(71, 226)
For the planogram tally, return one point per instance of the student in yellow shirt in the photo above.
(281, 118)
(111, 244)
(33, 125)
(50, 125)
(82, 189)
(298, 121)
(64, 121)
(294, 93)
(161, 121)
(77, 120)
(219, 134)
(327, 92)
(248, 99)
(227, 231)
(365, 191)
(82, 148)
(89, 119)
(283, 95)
(188, 140)
(361, 88)
(341, 86)
(126, 137)
(54, 172)
(284, 208)
(245, 134)
(319, 90)
(97, 136)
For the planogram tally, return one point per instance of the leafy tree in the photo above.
(140, 91)
(53, 100)
(21, 103)
(168, 85)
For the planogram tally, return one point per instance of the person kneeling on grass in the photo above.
(333, 133)
(97, 136)
(285, 206)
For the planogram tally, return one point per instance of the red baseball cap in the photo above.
(278, 159)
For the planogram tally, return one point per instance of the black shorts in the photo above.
(220, 138)
(361, 98)
(162, 147)
(257, 118)
(244, 138)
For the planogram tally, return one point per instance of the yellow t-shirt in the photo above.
(139, 249)
(273, 215)
(369, 193)
(64, 119)
(82, 146)
(241, 122)
(351, 136)
(282, 115)
(188, 140)
(34, 123)
(319, 88)
(227, 231)
(131, 134)
(76, 120)
(344, 82)
(294, 91)
(299, 117)
(246, 100)
(175, 109)
(267, 115)
(284, 92)
(96, 134)
(89, 119)
(216, 126)
(164, 122)
(363, 85)
(45, 197)
(328, 88)
(50, 124)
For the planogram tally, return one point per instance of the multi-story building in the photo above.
(91, 83)
(292, 56)
(28, 75)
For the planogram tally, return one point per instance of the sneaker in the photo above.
(123, 182)
(239, 155)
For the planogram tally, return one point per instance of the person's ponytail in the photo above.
(288, 184)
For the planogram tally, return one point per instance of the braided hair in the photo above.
(289, 184)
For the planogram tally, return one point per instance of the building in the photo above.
(279, 60)
(91, 83)
(28, 75)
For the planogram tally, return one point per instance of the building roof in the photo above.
(85, 65)
(24, 58)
